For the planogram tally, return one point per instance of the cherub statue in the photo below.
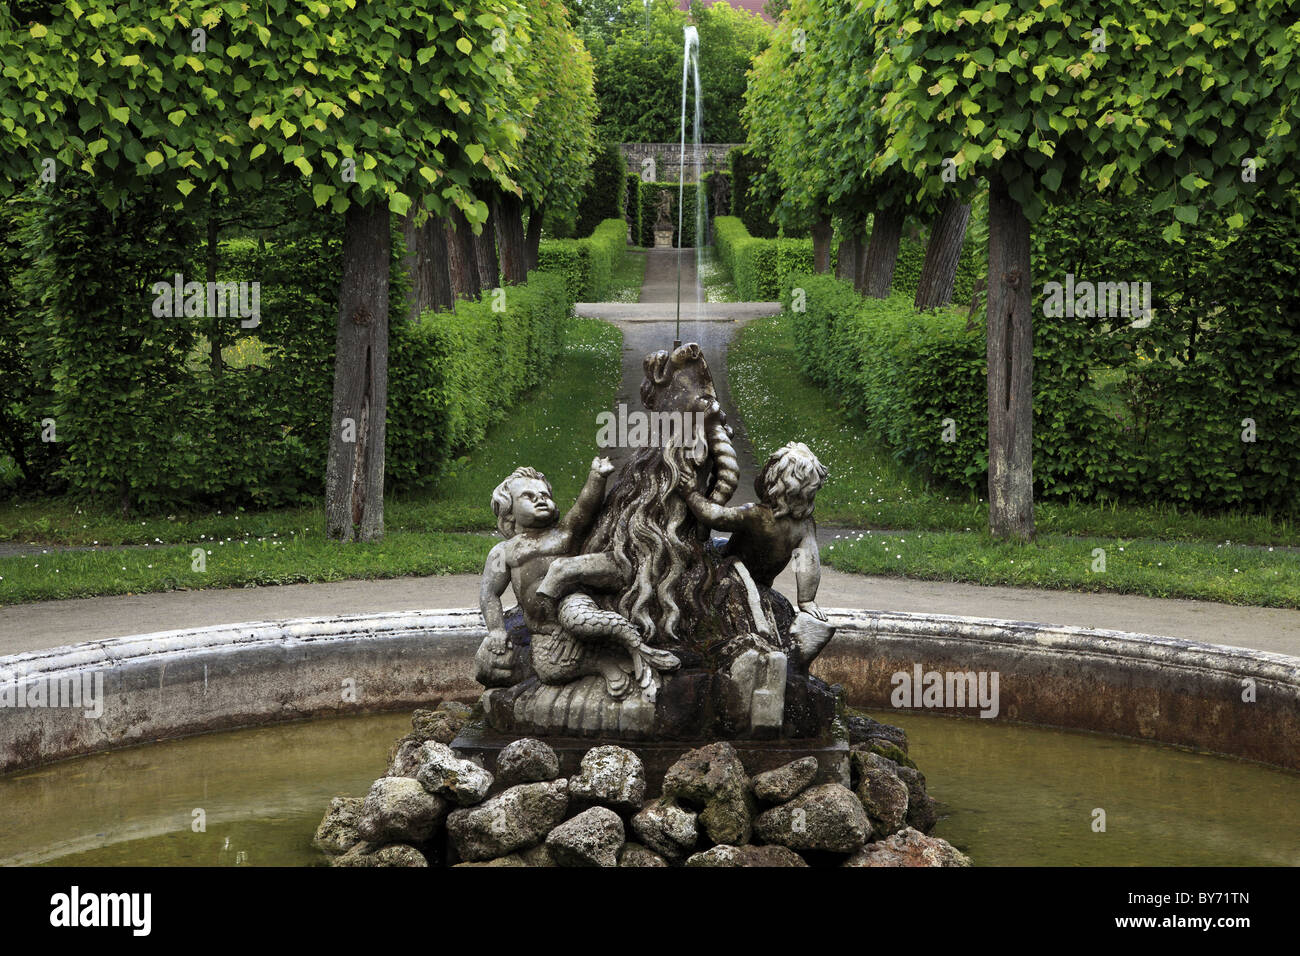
(777, 531)
(572, 635)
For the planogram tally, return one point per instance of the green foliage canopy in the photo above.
(1175, 97)
(639, 70)
(559, 141)
(417, 98)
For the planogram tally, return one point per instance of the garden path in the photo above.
(45, 624)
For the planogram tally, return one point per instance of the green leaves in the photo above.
(326, 76)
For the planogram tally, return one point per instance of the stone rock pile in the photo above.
(434, 807)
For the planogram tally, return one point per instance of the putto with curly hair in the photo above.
(503, 501)
(571, 636)
(790, 481)
(780, 529)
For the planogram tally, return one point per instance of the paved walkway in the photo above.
(647, 326)
(29, 627)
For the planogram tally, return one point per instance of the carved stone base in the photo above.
(758, 697)
(581, 708)
(664, 238)
(480, 743)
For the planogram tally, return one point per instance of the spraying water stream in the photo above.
(691, 71)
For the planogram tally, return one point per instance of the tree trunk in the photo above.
(942, 255)
(485, 254)
(417, 265)
(354, 475)
(846, 265)
(461, 263)
(441, 294)
(882, 252)
(509, 217)
(213, 264)
(821, 236)
(1010, 368)
(534, 237)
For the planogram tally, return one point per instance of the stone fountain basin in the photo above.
(178, 683)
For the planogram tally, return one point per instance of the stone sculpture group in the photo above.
(715, 744)
(633, 623)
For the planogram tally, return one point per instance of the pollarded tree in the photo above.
(377, 104)
(559, 135)
(1175, 97)
(780, 103)
(814, 111)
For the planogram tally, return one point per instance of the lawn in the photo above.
(627, 278)
(553, 429)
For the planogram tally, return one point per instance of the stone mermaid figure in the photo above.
(777, 531)
(571, 635)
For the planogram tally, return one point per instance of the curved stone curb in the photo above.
(175, 683)
(1144, 686)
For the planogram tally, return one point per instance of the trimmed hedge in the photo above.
(1158, 413)
(143, 419)
(759, 267)
(586, 265)
(747, 204)
(605, 195)
(452, 375)
(904, 372)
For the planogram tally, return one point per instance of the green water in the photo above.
(1012, 795)
(1025, 796)
(263, 792)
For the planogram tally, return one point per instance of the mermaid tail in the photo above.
(581, 617)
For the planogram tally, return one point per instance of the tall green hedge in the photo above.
(606, 194)
(1153, 413)
(144, 420)
(27, 386)
(747, 202)
(759, 267)
(586, 265)
(454, 374)
(903, 371)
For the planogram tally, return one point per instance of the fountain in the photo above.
(653, 700)
(691, 69)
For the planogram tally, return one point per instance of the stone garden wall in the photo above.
(668, 157)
